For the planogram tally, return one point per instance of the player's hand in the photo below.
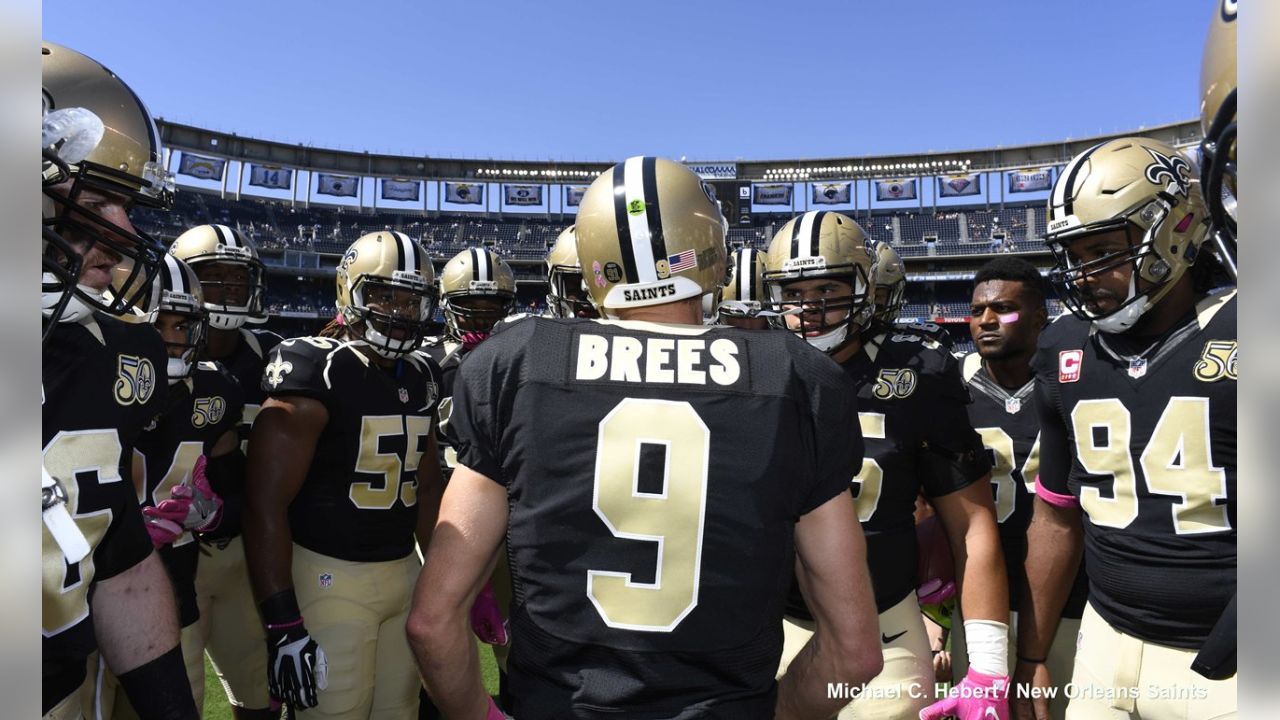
(297, 668)
(486, 618)
(1029, 705)
(164, 521)
(942, 666)
(977, 697)
(206, 507)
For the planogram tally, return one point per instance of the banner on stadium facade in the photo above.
(522, 194)
(406, 190)
(960, 185)
(271, 176)
(771, 194)
(464, 193)
(573, 194)
(831, 193)
(715, 171)
(896, 189)
(339, 185)
(199, 166)
(1030, 180)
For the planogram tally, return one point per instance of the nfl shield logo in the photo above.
(404, 395)
(1137, 367)
(326, 580)
(1012, 405)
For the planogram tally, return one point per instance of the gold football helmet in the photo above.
(650, 233)
(234, 278)
(386, 292)
(1218, 179)
(177, 291)
(1135, 183)
(97, 140)
(743, 295)
(888, 283)
(566, 297)
(477, 289)
(820, 245)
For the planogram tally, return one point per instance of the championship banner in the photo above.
(464, 193)
(573, 194)
(199, 166)
(896, 189)
(522, 194)
(340, 185)
(406, 190)
(960, 185)
(772, 194)
(271, 176)
(1030, 180)
(831, 193)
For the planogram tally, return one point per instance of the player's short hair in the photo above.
(1013, 269)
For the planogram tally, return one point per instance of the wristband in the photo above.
(280, 610)
(1033, 661)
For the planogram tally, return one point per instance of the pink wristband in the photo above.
(285, 626)
(495, 713)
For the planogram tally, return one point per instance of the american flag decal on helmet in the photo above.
(682, 261)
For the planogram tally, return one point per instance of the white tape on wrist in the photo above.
(988, 644)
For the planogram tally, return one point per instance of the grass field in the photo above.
(217, 708)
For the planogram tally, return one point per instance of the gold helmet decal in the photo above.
(1135, 183)
(234, 278)
(566, 296)
(889, 283)
(649, 233)
(477, 289)
(386, 292)
(1218, 179)
(813, 246)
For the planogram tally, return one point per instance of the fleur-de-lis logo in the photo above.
(276, 370)
(135, 380)
(1174, 170)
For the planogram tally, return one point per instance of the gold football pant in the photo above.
(102, 698)
(1060, 660)
(356, 612)
(1119, 677)
(230, 625)
(904, 686)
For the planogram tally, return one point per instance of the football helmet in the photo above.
(1218, 125)
(650, 233)
(386, 292)
(743, 295)
(818, 245)
(233, 277)
(1137, 183)
(888, 283)
(97, 138)
(566, 297)
(177, 290)
(477, 289)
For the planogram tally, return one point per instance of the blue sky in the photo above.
(599, 80)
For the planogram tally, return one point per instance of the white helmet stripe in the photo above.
(638, 223)
(479, 265)
(408, 252)
(227, 235)
(177, 280)
(804, 247)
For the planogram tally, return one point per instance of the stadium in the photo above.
(945, 213)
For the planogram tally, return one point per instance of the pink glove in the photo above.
(978, 697)
(486, 619)
(160, 524)
(472, 339)
(206, 506)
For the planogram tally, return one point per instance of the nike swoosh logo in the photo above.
(990, 713)
(886, 639)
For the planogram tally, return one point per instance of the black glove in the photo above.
(296, 666)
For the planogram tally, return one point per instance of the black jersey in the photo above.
(245, 364)
(1144, 440)
(200, 410)
(655, 475)
(359, 500)
(448, 355)
(1010, 429)
(103, 381)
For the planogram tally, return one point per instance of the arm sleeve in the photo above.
(837, 436)
(952, 455)
(473, 423)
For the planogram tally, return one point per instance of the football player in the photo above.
(911, 401)
(743, 296)
(1218, 180)
(103, 380)
(1136, 393)
(889, 294)
(192, 440)
(339, 454)
(566, 294)
(1007, 313)
(234, 284)
(654, 489)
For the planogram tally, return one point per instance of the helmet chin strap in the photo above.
(830, 341)
(179, 369)
(76, 310)
(226, 321)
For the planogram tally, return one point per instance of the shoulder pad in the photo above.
(299, 366)
(970, 366)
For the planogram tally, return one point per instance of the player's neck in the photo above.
(681, 312)
(1171, 310)
(222, 343)
(1011, 372)
(849, 349)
